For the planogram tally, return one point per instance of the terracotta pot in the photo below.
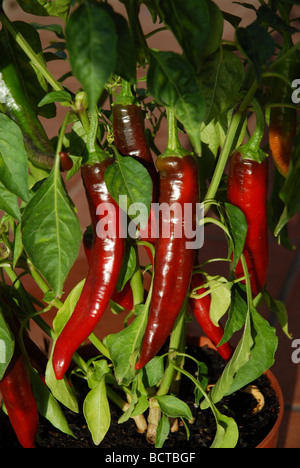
(272, 438)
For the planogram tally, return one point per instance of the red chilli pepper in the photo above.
(129, 132)
(106, 261)
(201, 310)
(16, 391)
(130, 140)
(247, 189)
(173, 261)
(123, 298)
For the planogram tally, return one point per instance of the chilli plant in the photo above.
(230, 111)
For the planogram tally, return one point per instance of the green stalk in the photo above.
(174, 147)
(231, 138)
(21, 41)
(174, 346)
(136, 283)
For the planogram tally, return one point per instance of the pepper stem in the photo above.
(126, 96)
(91, 125)
(251, 150)
(174, 147)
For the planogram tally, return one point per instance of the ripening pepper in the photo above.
(105, 265)
(201, 309)
(17, 394)
(248, 190)
(173, 261)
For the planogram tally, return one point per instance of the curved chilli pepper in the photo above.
(16, 391)
(106, 261)
(125, 297)
(283, 120)
(129, 132)
(201, 310)
(15, 104)
(173, 261)
(247, 189)
(130, 140)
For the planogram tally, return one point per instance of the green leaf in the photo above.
(153, 371)
(240, 357)
(128, 267)
(61, 389)
(289, 193)
(33, 81)
(7, 345)
(97, 412)
(278, 308)
(52, 232)
(65, 312)
(56, 96)
(174, 407)
(220, 297)
(173, 83)
(126, 52)
(9, 203)
(238, 227)
(237, 313)
(257, 45)
(265, 343)
(163, 430)
(227, 433)
(58, 8)
(139, 401)
(18, 245)
(189, 21)
(92, 44)
(252, 357)
(48, 406)
(13, 158)
(129, 341)
(221, 79)
(130, 178)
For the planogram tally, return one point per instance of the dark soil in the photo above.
(252, 428)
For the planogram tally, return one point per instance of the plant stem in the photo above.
(20, 289)
(21, 41)
(136, 283)
(175, 342)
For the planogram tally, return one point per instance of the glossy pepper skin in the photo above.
(125, 297)
(130, 140)
(16, 391)
(173, 261)
(106, 261)
(283, 120)
(14, 103)
(201, 310)
(247, 189)
(129, 132)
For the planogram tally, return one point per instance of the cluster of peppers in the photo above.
(175, 179)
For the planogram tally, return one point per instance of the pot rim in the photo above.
(277, 388)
